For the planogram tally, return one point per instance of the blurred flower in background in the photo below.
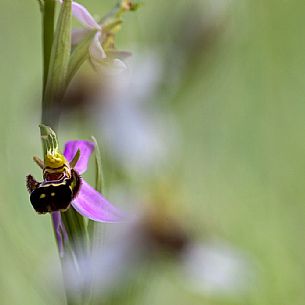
(218, 269)
(193, 100)
(139, 134)
(102, 48)
(131, 104)
(156, 241)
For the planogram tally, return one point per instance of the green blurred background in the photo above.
(239, 104)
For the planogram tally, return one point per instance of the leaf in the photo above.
(41, 5)
(98, 163)
(98, 185)
(59, 58)
(77, 232)
(79, 55)
(48, 11)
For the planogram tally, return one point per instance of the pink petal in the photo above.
(78, 35)
(93, 205)
(86, 148)
(96, 50)
(83, 16)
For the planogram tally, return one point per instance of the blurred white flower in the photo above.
(215, 268)
(139, 134)
(208, 267)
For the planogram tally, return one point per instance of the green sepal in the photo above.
(112, 26)
(98, 165)
(79, 55)
(48, 138)
(122, 7)
(98, 184)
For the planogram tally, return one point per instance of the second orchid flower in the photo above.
(102, 47)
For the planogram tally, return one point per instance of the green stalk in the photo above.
(77, 247)
(58, 66)
(79, 55)
(96, 231)
(48, 10)
(56, 56)
(75, 226)
(98, 186)
(99, 179)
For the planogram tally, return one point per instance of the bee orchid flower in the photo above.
(88, 202)
(63, 187)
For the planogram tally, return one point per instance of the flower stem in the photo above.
(56, 55)
(48, 35)
(57, 61)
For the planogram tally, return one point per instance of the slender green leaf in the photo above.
(79, 55)
(59, 61)
(77, 233)
(48, 11)
(98, 184)
(41, 5)
(99, 170)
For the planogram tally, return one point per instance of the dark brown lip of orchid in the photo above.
(53, 195)
(84, 198)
